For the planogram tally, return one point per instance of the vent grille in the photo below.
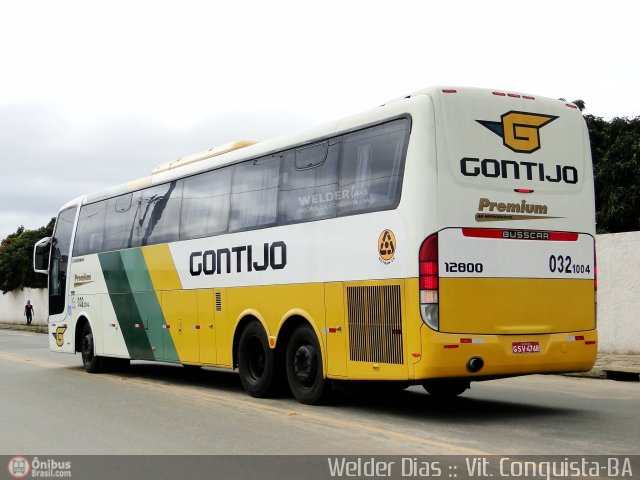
(218, 302)
(375, 324)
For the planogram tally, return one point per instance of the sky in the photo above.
(97, 93)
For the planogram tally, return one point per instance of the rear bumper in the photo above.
(447, 355)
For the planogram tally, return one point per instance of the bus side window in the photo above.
(308, 190)
(371, 169)
(90, 230)
(120, 221)
(159, 209)
(205, 204)
(254, 193)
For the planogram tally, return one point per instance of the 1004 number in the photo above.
(564, 264)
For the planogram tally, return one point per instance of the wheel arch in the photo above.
(244, 319)
(80, 324)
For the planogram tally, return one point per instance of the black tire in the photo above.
(444, 389)
(256, 362)
(92, 363)
(304, 367)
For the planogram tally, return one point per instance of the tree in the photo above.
(615, 148)
(16, 250)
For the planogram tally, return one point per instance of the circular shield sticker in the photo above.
(387, 246)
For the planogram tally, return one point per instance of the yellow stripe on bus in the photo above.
(512, 306)
(162, 269)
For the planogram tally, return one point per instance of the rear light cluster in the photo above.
(428, 268)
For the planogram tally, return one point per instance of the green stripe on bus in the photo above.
(123, 303)
(148, 306)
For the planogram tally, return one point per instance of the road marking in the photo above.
(253, 405)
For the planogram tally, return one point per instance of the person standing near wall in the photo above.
(28, 311)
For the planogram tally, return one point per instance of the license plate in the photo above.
(525, 347)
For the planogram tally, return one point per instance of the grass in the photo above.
(24, 327)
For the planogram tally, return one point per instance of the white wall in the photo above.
(618, 257)
(12, 306)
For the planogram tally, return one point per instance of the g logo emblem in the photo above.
(386, 245)
(59, 336)
(520, 131)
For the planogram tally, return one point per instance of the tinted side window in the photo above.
(205, 204)
(119, 224)
(254, 193)
(90, 231)
(309, 188)
(159, 214)
(372, 165)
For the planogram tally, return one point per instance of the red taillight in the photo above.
(428, 281)
(523, 190)
(429, 249)
(429, 263)
(449, 91)
(428, 268)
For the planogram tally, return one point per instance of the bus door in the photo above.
(61, 331)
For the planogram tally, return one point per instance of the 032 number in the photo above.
(564, 264)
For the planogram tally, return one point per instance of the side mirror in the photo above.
(41, 255)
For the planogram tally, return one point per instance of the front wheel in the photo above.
(304, 367)
(92, 363)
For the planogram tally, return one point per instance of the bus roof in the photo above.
(248, 149)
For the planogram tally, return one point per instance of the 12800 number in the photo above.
(461, 267)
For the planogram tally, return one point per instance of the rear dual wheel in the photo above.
(304, 367)
(261, 369)
(257, 362)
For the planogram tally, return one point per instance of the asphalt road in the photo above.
(51, 406)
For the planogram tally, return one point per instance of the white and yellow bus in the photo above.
(442, 238)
